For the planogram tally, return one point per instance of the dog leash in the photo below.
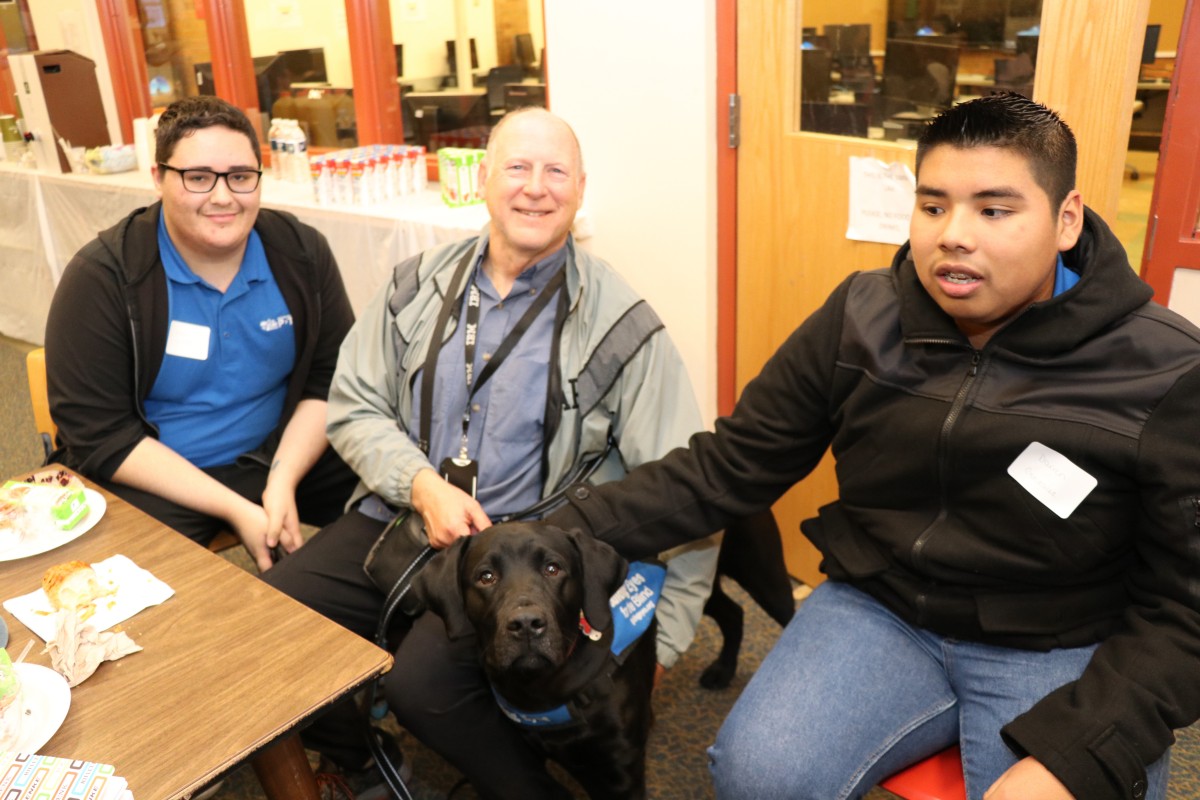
(388, 763)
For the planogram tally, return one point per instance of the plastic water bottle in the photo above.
(273, 136)
(343, 188)
(359, 193)
(322, 180)
(398, 172)
(420, 176)
(287, 149)
(300, 165)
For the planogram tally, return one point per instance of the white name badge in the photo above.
(187, 340)
(1051, 478)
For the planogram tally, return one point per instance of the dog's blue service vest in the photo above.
(633, 608)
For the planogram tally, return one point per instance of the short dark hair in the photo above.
(193, 113)
(1010, 121)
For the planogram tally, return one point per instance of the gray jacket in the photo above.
(619, 371)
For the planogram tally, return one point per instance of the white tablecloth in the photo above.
(45, 219)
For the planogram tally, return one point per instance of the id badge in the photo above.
(461, 472)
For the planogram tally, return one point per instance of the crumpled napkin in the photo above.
(77, 648)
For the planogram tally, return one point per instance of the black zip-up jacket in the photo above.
(107, 331)
(929, 522)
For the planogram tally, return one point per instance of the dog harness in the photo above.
(633, 608)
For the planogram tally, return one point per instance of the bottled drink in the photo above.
(276, 150)
(420, 175)
(300, 161)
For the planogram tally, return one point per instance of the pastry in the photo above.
(73, 585)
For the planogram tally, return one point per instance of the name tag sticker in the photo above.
(187, 340)
(1051, 478)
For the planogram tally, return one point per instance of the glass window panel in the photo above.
(17, 26)
(301, 53)
(178, 62)
(506, 40)
(882, 68)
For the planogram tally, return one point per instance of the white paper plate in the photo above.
(42, 704)
(52, 537)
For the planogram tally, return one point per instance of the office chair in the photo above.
(938, 777)
(35, 366)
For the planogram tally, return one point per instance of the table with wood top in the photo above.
(231, 668)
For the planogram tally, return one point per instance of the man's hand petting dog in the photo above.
(530, 593)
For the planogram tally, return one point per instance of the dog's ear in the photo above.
(603, 572)
(439, 586)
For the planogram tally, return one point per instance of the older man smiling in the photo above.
(477, 383)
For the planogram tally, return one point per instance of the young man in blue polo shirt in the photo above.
(189, 348)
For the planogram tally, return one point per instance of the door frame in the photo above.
(1172, 239)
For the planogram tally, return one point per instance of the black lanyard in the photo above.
(489, 369)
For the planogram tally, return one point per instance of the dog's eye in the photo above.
(485, 577)
(551, 569)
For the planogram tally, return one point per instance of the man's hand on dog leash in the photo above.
(449, 512)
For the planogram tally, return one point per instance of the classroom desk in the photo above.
(230, 668)
(45, 218)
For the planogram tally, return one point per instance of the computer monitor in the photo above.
(918, 76)
(204, 78)
(850, 46)
(452, 58)
(519, 95)
(1027, 43)
(276, 74)
(523, 52)
(435, 112)
(843, 119)
(1150, 43)
(1015, 74)
(816, 67)
(305, 66)
(399, 59)
(849, 40)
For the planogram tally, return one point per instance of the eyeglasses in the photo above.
(202, 181)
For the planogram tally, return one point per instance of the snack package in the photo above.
(458, 170)
(9, 683)
(11, 711)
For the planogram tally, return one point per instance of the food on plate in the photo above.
(27, 509)
(74, 585)
(10, 684)
(55, 477)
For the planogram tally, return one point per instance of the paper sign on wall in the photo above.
(881, 201)
(410, 10)
(285, 14)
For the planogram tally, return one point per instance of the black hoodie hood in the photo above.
(1107, 291)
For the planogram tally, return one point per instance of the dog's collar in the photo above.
(587, 630)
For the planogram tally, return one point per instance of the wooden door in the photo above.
(793, 187)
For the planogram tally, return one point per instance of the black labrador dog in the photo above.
(537, 599)
(751, 554)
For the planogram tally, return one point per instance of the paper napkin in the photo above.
(134, 588)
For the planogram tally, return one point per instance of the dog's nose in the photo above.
(527, 622)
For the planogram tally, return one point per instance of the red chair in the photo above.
(938, 777)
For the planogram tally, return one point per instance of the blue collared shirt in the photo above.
(507, 413)
(1064, 277)
(223, 381)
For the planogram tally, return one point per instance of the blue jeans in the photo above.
(851, 694)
